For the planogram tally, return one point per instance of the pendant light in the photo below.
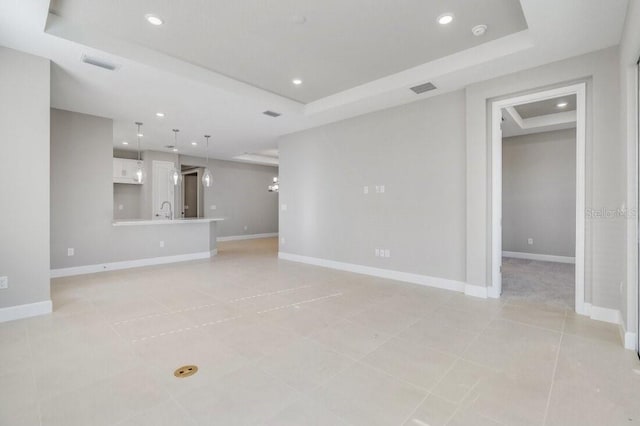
(207, 178)
(275, 187)
(176, 176)
(140, 173)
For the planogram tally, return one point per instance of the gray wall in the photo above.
(126, 201)
(82, 202)
(239, 192)
(605, 239)
(24, 173)
(417, 152)
(539, 193)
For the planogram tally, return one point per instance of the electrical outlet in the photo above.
(387, 253)
(365, 190)
(70, 252)
(377, 252)
(120, 207)
(283, 241)
(212, 207)
(161, 244)
(4, 282)
(284, 207)
(246, 227)
(382, 189)
(530, 241)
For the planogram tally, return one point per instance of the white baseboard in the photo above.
(425, 280)
(103, 267)
(25, 311)
(247, 237)
(597, 313)
(540, 257)
(628, 337)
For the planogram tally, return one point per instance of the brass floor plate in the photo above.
(186, 371)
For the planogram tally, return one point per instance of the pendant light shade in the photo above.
(140, 174)
(207, 177)
(176, 176)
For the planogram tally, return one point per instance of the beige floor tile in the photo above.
(18, 403)
(167, 413)
(304, 365)
(104, 402)
(460, 380)
(433, 411)
(585, 327)
(305, 412)
(245, 397)
(519, 350)
(365, 396)
(388, 321)
(412, 361)
(351, 339)
(439, 335)
(541, 316)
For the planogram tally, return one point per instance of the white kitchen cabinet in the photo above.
(124, 171)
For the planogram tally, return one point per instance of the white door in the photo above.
(162, 190)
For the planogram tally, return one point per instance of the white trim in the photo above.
(247, 237)
(496, 182)
(598, 313)
(536, 256)
(25, 311)
(442, 283)
(113, 266)
(475, 291)
(628, 338)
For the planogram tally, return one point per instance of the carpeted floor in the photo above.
(549, 283)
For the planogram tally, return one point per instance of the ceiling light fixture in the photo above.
(194, 143)
(207, 178)
(445, 18)
(160, 114)
(176, 176)
(125, 143)
(296, 81)
(140, 134)
(140, 172)
(153, 19)
(562, 104)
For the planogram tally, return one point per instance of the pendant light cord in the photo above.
(138, 135)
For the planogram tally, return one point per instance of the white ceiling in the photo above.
(199, 101)
(546, 107)
(539, 117)
(340, 45)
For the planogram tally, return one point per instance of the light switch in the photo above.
(365, 190)
(70, 252)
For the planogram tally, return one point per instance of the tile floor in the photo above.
(280, 343)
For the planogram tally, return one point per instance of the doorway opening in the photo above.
(538, 197)
(192, 192)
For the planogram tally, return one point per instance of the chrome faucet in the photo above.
(170, 209)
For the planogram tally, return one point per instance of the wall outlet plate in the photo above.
(161, 244)
(4, 283)
(530, 241)
(70, 252)
(213, 207)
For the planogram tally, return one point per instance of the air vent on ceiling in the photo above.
(421, 88)
(169, 146)
(272, 114)
(99, 63)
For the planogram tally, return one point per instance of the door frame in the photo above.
(495, 290)
(195, 171)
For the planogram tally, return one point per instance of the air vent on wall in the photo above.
(99, 63)
(421, 88)
(272, 114)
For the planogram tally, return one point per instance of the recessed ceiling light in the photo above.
(153, 19)
(445, 18)
(159, 114)
(296, 81)
(125, 143)
(175, 149)
(562, 104)
(194, 143)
